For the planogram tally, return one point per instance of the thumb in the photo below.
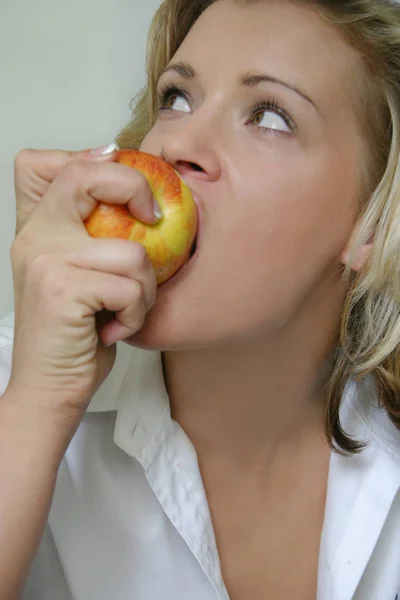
(34, 171)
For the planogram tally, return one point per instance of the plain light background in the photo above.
(68, 71)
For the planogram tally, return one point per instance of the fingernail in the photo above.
(104, 150)
(157, 210)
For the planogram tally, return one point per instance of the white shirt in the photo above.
(130, 518)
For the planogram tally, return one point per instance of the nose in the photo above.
(192, 149)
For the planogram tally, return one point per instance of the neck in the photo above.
(241, 400)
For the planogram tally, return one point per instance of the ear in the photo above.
(359, 259)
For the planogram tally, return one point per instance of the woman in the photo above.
(246, 443)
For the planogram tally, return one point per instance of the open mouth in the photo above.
(191, 254)
(193, 248)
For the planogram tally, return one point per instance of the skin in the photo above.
(278, 209)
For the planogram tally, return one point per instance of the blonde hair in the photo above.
(368, 343)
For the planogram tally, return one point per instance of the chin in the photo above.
(159, 333)
(173, 322)
(184, 317)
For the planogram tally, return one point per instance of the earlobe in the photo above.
(358, 261)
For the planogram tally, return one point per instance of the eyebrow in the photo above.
(249, 80)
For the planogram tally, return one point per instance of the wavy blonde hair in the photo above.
(368, 343)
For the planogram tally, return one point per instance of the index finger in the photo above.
(35, 170)
(82, 185)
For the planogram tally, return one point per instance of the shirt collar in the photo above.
(135, 389)
(361, 491)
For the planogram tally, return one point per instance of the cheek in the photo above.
(295, 219)
(148, 144)
(152, 142)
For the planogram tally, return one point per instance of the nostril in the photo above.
(183, 165)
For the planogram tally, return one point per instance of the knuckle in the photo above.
(15, 257)
(56, 288)
(75, 170)
(42, 267)
(138, 316)
(38, 265)
(136, 292)
(15, 251)
(138, 301)
(143, 188)
(134, 313)
(53, 280)
(146, 294)
(43, 277)
(139, 255)
(20, 247)
(22, 159)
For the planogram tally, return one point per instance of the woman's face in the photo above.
(259, 117)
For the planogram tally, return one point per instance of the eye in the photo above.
(265, 115)
(270, 116)
(171, 97)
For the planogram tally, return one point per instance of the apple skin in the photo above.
(168, 242)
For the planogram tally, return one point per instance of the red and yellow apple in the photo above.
(168, 242)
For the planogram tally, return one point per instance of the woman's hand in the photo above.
(63, 278)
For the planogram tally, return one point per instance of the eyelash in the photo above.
(169, 90)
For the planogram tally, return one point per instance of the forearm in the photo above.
(31, 448)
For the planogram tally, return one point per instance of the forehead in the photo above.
(283, 38)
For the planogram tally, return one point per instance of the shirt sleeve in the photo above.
(6, 348)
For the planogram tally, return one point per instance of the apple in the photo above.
(168, 242)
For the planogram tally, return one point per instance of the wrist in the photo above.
(46, 404)
(44, 429)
